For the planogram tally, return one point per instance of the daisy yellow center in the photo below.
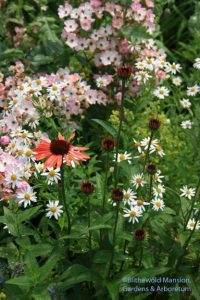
(13, 177)
(159, 190)
(5, 198)
(137, 144)
(155, 177)
(54, 88)
(20, 151)
(133, 213)
(122, 157)
(53, 209)
(52, 173)
(158, 204)
(32, 120)
(24, 135)
(140, 202)
(38, 81)
(193, 89)
(187, 192)
(21, 88)
(142, 155)
(158, 148)
(138, 180)
(28, 153)
(27, 196)
(174, 67)
(15, 101)
(192, 224)
(127, 196)
(5, 108)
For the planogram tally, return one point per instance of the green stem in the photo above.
(147, 153)
(104, 193)
(64, 200)
(141, 256)
(89, 223)
(121, 114)
(113, 241)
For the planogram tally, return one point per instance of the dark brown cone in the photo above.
(140, 234)
(154, 124)
(124, 71)
(151, 169)
(87, 187)
(117, 194)
(108, 143)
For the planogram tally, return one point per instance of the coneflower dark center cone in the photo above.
(59, 147)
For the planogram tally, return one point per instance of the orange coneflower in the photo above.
(58, 151)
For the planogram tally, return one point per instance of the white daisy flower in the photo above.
(197, 63)
(53, 175)
(133, 214)
(157, 177)
(13, 177)
(193, 224)
(161, 92)
(187, 192)
(185, 103)
(140, 204)
(159, 191)
(129, 196)
(186, 124)
(54, 209)
(158, 204)
(146, 141)
(123, 156)
(137, 145)
(26, 196)
(142, 76)
(157, 149)
(193, 90)
(172, 68)
(177, 81)
(138, 181)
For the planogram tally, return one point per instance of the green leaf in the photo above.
(100, 226)
(106, 126)
(76, 274)
(28, 213)
(135, 32)
(46, 269)
(21, 281)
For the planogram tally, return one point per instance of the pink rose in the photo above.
(4, 140)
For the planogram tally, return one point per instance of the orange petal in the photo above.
(60, 137)
(51, 161)
(71, 137)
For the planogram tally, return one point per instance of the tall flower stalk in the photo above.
(64, 199)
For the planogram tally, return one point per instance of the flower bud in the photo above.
(124, 71)
(117, 194)
(151, 169)
(87, 187)
(108, 143)
(154, 124)
(140, 234)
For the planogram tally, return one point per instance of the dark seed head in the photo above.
(154, 124)
(108, 143)
(117, 194)
(59, 147)
(124, 71)
(140, 234)
(87, 187)
(151, 169)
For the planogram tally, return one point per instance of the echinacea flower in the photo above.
(58, 150)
